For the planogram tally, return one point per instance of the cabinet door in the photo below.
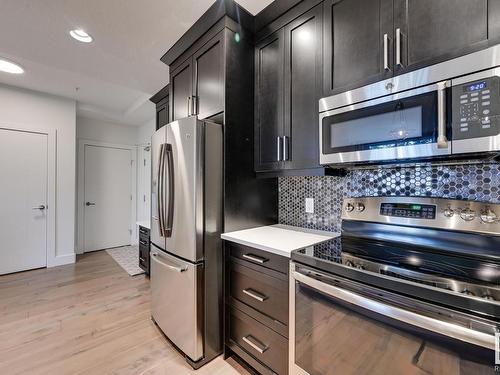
(162, 116)
(269, 70)
(208, 69)
(436, 30)
(303, 53)
(181, 86)
(354, 43)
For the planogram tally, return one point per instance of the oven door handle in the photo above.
(447, 329)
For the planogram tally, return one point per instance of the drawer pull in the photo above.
(255, 258)
(261, 348)
(142, 260)
(255, 295)
(143, 243)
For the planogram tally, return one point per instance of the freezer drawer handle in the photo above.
(255, 295)
(254, 343)
(255, 258)
(169, 266)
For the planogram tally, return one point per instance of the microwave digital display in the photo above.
(477, 86)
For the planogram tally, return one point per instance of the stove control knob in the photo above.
(349, 264)
(360, 207)
(488, 216)
(467, 292)
(488, 297)
(349, 207)
(468, 214)
(448, 212)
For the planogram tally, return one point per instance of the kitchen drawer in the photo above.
(143, 231)
(259, 257)
(264, 293)
(260, 342)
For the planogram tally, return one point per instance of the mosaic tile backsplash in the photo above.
(475, 182)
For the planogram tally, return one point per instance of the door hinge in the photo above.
(131, 162)
(144, 162)
(131, 197)
(130, 231)
(144, 197)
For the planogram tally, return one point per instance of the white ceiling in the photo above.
(112, 78)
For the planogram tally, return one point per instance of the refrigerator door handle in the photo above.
(159, 195)
(170, 176)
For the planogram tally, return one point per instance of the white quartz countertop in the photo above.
(144, 223)
(279, 239)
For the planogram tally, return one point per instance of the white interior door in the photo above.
(144, 188)
(23, 199)
(107, 197)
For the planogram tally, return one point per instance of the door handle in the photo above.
(189, 110)
(171, 191)
(194, 105)
(442, 140)
(40, 207)
(386, 53)
(261, 348)
(255, 295)
(89, 204)
(169, 266)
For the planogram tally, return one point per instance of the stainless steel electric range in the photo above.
(411, 287)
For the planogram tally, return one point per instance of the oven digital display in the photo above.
(477, 86)
(408, 210)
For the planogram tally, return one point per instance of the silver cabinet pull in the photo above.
(278, 148)
(398, 47)
(255, 295)
(40, 207)
(386, 53)
(285, 148)
(442, 140)
(255, 258)
(194, 109)
(169, 266)
(189, 110)
(261, 348)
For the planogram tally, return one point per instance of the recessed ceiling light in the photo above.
(81, 35)
(10, 67)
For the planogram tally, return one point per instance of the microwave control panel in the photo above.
(476, 109)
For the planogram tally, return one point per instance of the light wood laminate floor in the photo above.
(87, 318)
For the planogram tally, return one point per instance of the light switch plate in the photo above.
(310, 205)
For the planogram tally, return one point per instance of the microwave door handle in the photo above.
(409, 317)
(442, 140)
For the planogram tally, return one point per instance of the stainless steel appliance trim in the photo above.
(159, 195)
(169, 266)
(371, 213)
(293, 368)
(392, 153)
(255, 295)
(398, 47)
(464, 65)
(261, 348)
(483, 144)
(408, 317)
(255, 258)
(442, 141)
(386, 53)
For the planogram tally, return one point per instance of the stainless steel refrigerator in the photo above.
(186, 222)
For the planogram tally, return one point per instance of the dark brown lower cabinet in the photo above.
(256, 313)
(144, 248)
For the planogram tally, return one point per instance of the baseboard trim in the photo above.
(61, 260)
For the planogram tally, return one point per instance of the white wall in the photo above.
(145, 132)
(33, 110)
(107, 132)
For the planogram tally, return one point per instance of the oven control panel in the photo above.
(408, 210)
(476, 108)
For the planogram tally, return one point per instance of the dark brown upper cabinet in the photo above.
(288, 67)
(357, 43)
(161, 100)
(431, 31)
(198, 82)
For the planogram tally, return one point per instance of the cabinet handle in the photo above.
(142, 259)
(285, 148)
(189, 111)
(386, 53)
(255, 295)
(194, 105)
(278, 148)
(261, 348)
(442, 140)
(143, 243)
(398, 47)
(255, 258)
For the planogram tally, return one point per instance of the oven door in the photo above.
(407, 125)
(339, 326)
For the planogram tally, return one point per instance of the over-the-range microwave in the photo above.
(451, 109)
